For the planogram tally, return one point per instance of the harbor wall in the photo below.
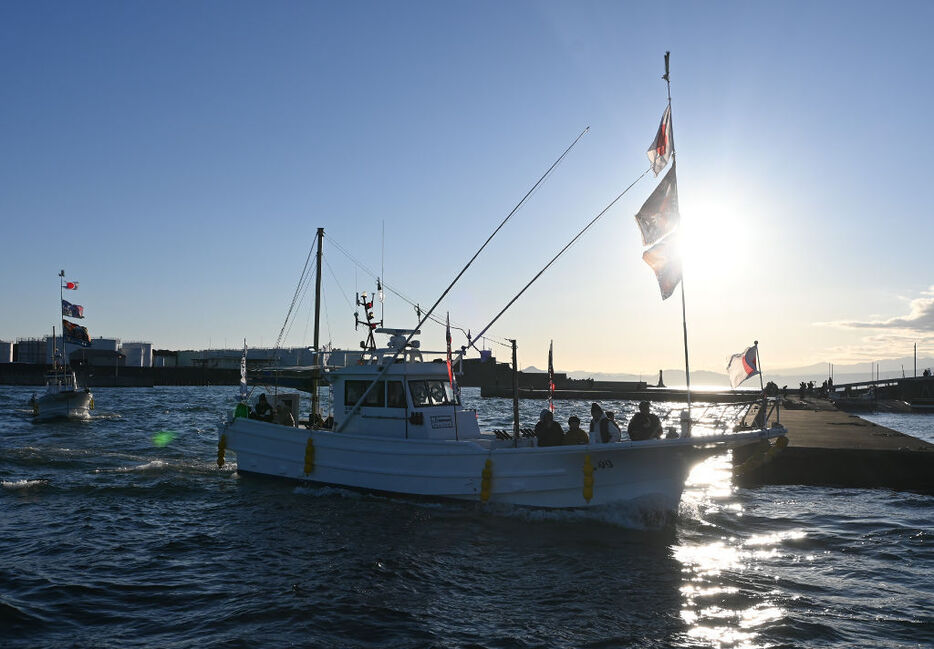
(122, 377)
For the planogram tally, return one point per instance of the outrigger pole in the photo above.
(356, 407)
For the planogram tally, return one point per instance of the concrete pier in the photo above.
(829, 447)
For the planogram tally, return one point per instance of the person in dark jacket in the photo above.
(263, 408)
(644, 425)
(548, 431)
(575, 434)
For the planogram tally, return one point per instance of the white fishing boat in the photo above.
(398, 426)
(63, 397)
(413, 437)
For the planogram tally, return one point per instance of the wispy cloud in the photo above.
(918, 321)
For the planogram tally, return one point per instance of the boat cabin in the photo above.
(412, 398)
(60, 381)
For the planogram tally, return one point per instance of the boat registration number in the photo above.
(603, 464)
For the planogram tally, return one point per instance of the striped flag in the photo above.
(742, 366)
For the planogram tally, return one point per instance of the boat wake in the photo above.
(15, 485)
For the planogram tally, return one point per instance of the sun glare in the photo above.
(715, 237)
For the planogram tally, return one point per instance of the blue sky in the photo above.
(176, 159)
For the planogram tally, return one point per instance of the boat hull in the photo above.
(66, 404)
(554, 477)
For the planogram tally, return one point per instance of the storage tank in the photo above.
(6, 352)
(138, 354)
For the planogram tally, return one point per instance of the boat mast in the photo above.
(684, 312)
(61, 298)
(515, 394)
(317, 369)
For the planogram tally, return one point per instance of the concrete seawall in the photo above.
(829, 447)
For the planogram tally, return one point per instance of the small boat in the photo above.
(63, 397)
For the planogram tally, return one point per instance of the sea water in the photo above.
(121, 531)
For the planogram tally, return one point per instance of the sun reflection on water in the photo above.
(719, 607)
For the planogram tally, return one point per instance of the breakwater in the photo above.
(830, 447)
(121, 377)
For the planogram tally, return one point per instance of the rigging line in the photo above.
(561, 252)
(308, 317)
(303, 292)
(295, 296)
(356, 407)
(336, 281)
(398, 293)
(508, 216)
(327, 319)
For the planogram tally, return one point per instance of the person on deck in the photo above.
(284, 416)
(644, 425)
(575, 434)
(613, 430)
(599, 425)
(263, 409)
(547, 430)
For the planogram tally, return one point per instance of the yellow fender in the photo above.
(486, 480)
(221, 449)
(309, 456)
(91, 406)
(588, 478)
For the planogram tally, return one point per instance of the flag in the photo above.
(662, 146)
(659, 215)
(243, 389)
(551, 378)
(72, 310)
(75, 335)
(665, 259)
(71, 286)
(447, 338)
(742, 366)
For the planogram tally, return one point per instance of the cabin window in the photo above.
(431, 393)
(395, 394)
(353, 390)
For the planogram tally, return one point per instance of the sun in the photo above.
(715, 238)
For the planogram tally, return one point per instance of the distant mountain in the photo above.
(818, 372)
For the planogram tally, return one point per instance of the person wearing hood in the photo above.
(599, 425)
(547, 430)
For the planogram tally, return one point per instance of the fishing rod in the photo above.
(560, 252)
(399, 350)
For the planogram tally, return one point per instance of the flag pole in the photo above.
(765, 397)
(684, 311)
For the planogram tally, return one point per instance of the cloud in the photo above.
(919, 320)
